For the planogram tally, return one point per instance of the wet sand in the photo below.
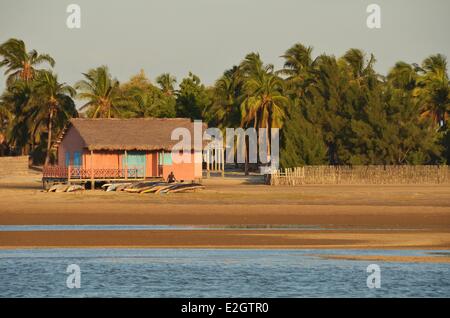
(363, 217)
(391, 258)
(279, 239)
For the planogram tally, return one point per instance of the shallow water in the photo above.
(214, 273)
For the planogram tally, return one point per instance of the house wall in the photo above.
(103, 160)
(183, 171)
(151, 169)
(71, 143)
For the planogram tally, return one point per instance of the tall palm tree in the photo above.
(224, 111)
(102, 93)
(360, 68)
(264, 103)
(298, 67)
(20, 63)
(253, 66)
(166, 83)
(434, 88)
(403, 76)
(58, 105)
(6, 117)
(17, 101)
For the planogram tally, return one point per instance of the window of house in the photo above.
(165, 158)
(77, 158)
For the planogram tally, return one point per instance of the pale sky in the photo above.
(209, 36)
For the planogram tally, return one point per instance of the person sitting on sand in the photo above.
(171, 177)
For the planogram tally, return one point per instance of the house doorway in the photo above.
(135, 160)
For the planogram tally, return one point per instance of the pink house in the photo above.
(120, 149)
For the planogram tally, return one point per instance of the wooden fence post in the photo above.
(92, 170)
(68, 175)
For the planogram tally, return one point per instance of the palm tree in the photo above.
(360, 68)
(298, 61)
(6, 117)
(264, 102)
(16, 101)
(224, 111)
(253, 66)
(434, 88)
(297, 67)
(403, 76)
(102, 93)
(59, 105)
(20, 63)
(166, 83)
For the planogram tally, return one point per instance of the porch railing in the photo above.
(79, 173)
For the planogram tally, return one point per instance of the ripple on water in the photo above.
(214, 273)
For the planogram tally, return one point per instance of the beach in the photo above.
(234, 213)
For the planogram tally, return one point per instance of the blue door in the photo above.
(135, 160)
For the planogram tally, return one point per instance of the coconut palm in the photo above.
(253, 66)
(265, 102)
(16, 100)
(58, 105)
(20, 63)
(166, 83)
(6, 117)
(102, 94)
(298, 67)
(434, 88)
(403, 76)
(298, 61)
(224, 111)
(360, 67)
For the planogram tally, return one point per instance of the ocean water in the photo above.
(214, 273)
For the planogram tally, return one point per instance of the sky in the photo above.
(209, 36)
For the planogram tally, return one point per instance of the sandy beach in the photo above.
(342, 217)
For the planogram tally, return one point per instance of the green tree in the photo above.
(19, 63)
(434, 88)
(16, 101)
(403, 76)
(301, 141)
(192, 98)
(58, 105)
(147, 100)
(224, 111)
(167, 83)
(298, 67)
(263, 98)
(102, 94)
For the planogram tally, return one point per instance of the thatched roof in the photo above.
(129, 134)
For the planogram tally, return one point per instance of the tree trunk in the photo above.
(49, 140)
(246, 156)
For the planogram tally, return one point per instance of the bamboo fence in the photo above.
(361, 175)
